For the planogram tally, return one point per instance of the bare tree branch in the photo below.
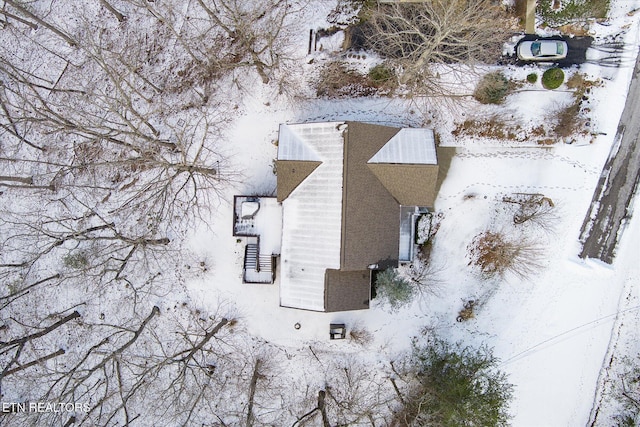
(42, 22)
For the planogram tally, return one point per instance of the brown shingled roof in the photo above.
(410, 185)
(290, 174)
(370, 214)
(347, 290)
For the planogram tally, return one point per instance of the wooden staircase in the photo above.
(251, 257)
(257, 268)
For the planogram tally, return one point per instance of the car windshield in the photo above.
(559, 48)
(535, 48)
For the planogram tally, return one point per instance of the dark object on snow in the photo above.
(337, 331)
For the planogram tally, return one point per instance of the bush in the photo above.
(394, 289)
(626, 420)
(467, 312)
(381, 75)
(532, 78)
(578, 82)
(492, 89)
(337, 80)
(361, 336)
(457, 386)
(570, 122)
(534, 208)
(496, 255)
(627, 392)
(552, 78)
(76, 261)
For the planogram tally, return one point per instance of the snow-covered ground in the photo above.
(564, 331)
(551, 330)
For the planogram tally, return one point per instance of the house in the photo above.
(350, 194)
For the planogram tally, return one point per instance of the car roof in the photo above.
(549, 47)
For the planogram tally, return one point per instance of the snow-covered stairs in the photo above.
(264, 263)
(257, 268)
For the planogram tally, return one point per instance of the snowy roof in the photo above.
(312, 215)
(412, 146)
(293, 143)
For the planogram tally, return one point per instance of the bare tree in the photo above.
(174, 367)
(497, 254)
(424, 275)
(233, 36)
(444, 32)
(345, 392)
(355, 395)
(255, 33)
(106, 164)
(111, 149)
(153, 164)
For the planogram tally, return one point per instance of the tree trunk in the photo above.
(43, 332)
(252, 391)
(40, 21)
(205, 339)
(17, 18)
(23, 179)
(323, 410)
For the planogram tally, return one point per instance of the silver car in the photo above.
(542, 50)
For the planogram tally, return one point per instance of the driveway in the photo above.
(611, 202)
(576, 54)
